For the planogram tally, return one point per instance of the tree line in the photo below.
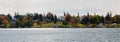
(30, 18)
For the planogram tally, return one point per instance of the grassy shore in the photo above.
(78, 25)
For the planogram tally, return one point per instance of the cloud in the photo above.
(59, 6)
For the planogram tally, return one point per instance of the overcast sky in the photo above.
(60, 6)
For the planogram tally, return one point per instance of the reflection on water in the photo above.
(60, 35)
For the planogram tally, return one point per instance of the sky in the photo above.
(58, 7)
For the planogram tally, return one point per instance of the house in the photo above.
(61, 18)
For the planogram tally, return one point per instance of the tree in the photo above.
(73, 21)
(78, 15)
(116, 19)
(35, 16)
(86, 19)
(9, 17)
(24, 22)
(67, 17)
(55, 19)
(108, 17)
(17, 16)
(4, 21)
(88, 16)
(102, 19)
(41, 17)
(64, 14)
(1, 20)
(95, 19)
(30, 15)
(49, 17)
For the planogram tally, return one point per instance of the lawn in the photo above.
(78, 25)
(47, 25)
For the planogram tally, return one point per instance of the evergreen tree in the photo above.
(41, 17)
(55, 19)
(102, 19)
(108, 17)
(88, 17)
(78, 15)
(9, 17)
(17, 16)
(35, 16)
(64, 14)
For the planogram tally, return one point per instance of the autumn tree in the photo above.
(67, 17)
(4, 21)
(49, 17)
(116, 19)
(73, 21)
(24, 22)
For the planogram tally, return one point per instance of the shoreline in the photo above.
(50, 28)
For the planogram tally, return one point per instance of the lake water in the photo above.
(60, 35)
